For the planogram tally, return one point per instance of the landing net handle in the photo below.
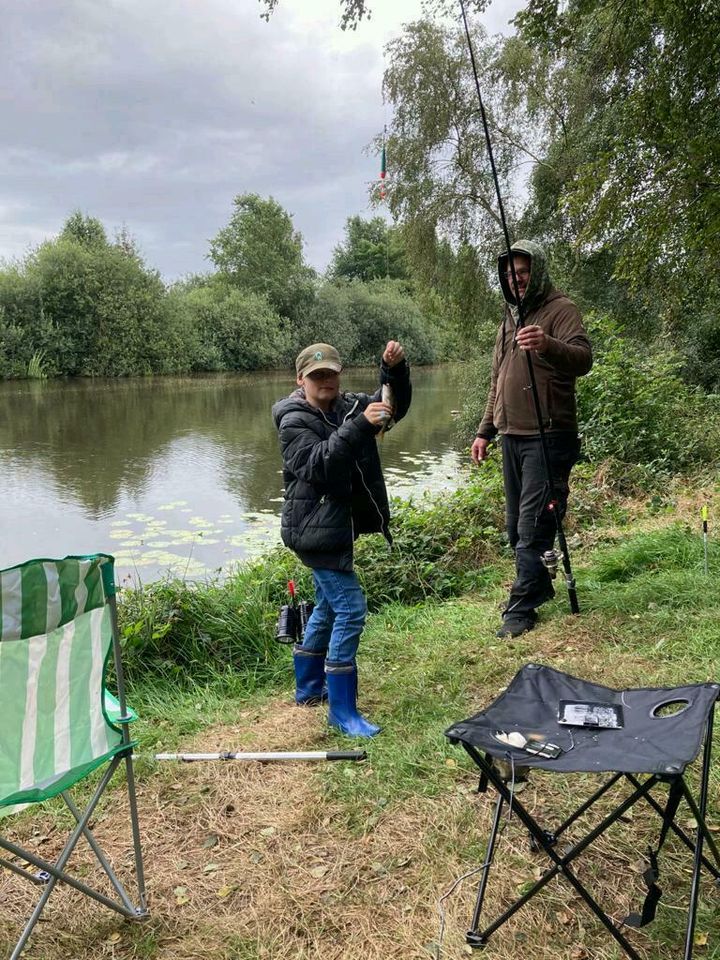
(266, 757)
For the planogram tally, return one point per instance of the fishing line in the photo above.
(552, 496)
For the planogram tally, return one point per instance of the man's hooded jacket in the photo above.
(334, 487)
(510, 407)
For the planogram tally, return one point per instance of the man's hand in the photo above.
(531, 338)
(393, 354)
(377, 413)
(479, 449)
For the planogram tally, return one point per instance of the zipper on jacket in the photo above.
(383, 527)
(352, 408)
(308, 518)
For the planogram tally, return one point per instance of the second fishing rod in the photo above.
(553, 502)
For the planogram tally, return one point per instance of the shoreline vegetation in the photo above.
(85, 305)
(349, 861)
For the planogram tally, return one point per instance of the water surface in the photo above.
(178, 473)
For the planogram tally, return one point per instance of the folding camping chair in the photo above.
(558, 723)
(58, 627)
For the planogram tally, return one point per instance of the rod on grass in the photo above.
(552, 496)
(704, 515)
(266, 757)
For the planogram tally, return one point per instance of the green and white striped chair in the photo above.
(58, 629)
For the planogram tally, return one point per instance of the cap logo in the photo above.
(318, 355)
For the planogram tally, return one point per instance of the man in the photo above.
(334, 491)
(560, 349)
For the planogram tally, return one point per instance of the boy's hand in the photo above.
(393, 354)
(377, 413)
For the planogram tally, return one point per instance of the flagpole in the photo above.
(383, 194)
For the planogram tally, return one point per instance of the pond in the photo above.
(179, 474)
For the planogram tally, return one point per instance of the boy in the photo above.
(335, 491)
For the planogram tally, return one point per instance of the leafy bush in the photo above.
(191, 632)
(237, 327)
(331, 321)
(637, 412)
(89, 307)
(382, 310)
(439, 546)
(359, 318)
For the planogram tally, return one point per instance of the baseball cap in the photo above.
(318, 356)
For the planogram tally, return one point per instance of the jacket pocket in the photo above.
(305, 522)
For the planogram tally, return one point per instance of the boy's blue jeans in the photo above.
(337, 621)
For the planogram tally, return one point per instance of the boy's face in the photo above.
(321, 388)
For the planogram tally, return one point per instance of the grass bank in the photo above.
(349, 861)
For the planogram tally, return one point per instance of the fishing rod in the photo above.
(553, 500)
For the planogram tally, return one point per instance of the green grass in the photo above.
(649, 617)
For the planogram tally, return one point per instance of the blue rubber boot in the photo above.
(342, 699)
(310, 687)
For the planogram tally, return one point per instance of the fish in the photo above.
(387, 395)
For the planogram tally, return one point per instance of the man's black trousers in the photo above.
(531, 525)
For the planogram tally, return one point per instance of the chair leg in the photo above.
(472, 937)
(59, 865)
(141, 911)
(714, 871)
(101, 858)
(135, 822)
(57, 869)
(560, 864)
(702, 832)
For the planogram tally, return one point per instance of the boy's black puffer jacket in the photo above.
(334, 487)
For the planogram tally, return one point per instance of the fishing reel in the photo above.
(551, 559)
(293, 618)
(286, 630)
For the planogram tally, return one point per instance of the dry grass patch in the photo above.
(253, 861)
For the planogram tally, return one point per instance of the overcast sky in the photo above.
(154, 114)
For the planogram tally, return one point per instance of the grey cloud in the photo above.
(156, 115)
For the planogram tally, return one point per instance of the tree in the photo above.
(238, 328)
(441, 175)
(452, 285)
(632, 126)
(372, 250)
(89, 308)
(353, 11)
(260, 251)
(84, 229)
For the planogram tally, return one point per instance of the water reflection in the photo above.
(182, 471)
